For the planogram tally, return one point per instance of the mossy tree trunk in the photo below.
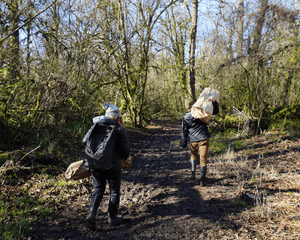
(192, 48)
(14, 42)
(240, 30)
(176, 32)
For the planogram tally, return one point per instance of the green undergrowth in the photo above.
(237, 138)
(220, 142)
(292, 126)
(50, 138)
(17, 212)
(3, 157)
(31, 200)
(55, 139)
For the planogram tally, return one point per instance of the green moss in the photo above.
(223, 141)
(218, 146)
(4, 157)
(229, 132)
(237, 144)
(290, 125)
(233, 119)
(276, 124)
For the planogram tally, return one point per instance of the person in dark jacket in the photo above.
(196, 133)
(113, 175)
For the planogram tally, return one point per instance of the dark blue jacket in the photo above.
(194, 130)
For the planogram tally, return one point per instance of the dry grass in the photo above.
(270, 179)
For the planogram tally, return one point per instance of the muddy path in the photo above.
(158, 198)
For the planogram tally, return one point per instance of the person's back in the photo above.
(196, 129)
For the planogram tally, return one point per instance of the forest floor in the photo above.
(252, 192)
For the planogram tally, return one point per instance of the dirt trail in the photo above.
(158, 199)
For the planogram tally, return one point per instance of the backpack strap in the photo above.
(109, 132)
(88, 134)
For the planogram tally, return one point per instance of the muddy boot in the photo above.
(113, 217)
(94, 205)
(90, 223)
(115, 220)
(193, 163)
(203, 176)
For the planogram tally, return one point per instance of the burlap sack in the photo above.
(203, 107)
(77, 171)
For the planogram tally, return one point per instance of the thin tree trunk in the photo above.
(240, 28)
(14, 41)
(259, 25)
(28, 51)
(192, 48)
(56, 22)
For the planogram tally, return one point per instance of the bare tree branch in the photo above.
(28, 21)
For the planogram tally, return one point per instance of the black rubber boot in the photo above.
(90, 223)
(115, 220)
(203, 176)
(113, 217)
(193, 164)
(94, 205)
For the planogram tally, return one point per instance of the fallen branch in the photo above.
(27, 154)
(292, 136)
(243, 115)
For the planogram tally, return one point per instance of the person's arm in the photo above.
(216, 107)
(122, 147)
(184, 134)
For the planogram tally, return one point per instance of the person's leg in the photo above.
(114, 181)
(203, 150)
(194, 156)
(99, 181)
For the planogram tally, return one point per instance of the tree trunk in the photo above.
(176, 34)
(14, 41)
(28, 50)
(240, 28)
(192, 48)
(259, 25)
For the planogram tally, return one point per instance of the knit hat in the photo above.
(111, 110)
(188, 102)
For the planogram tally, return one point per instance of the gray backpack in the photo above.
(100, 146)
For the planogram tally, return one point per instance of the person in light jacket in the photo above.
(196, 133)
(113, 175)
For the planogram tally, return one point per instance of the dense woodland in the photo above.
(61, 60)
